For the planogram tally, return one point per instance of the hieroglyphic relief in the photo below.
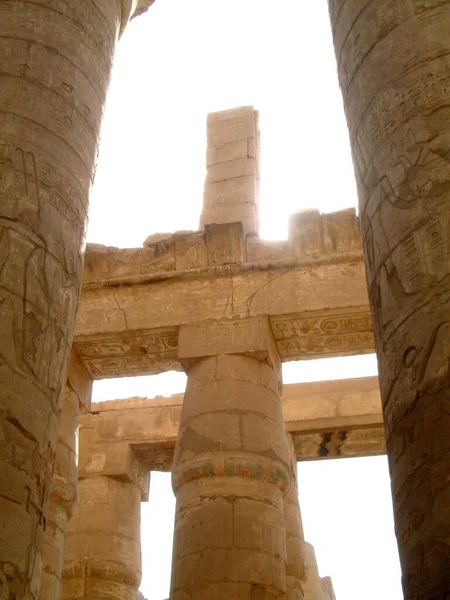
(297, 337)
(399, 121)
(423, 89)
(55, 58)
(384, 17)
(131, 353)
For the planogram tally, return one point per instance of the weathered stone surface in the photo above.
(393, 62)
(232, 179)
(317, 305)
(62, 499)
(230, 473)
(326, 419)
(312, 585)
(102, 557)
(55, 59)
(295, 559)
(327, 588)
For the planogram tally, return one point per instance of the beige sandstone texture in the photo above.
(295, 557)
(231, 467)
(63, 493)
(55, 61)
(327, 588)
(312, 287)
(327, 419)
(232, 162)
(226, 307)
(394, 59)
(102, 554)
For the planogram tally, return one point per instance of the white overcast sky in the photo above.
(174, 65)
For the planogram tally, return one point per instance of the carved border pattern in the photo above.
(133, 353)
(340, 334)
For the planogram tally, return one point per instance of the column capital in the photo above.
(249, 336)
(109, 458)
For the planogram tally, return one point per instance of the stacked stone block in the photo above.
(232, 180)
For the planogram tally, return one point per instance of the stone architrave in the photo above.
(63, 492)
(231, 466)
(102, 554)
(394, 62)
(56, 59)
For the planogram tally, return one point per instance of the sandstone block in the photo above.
(238, 190)
(229, 151)
(225, 243)
(231, 125)
(244, 336)
(306, 233)
(341, 231)
(231, 169)
(234, 213)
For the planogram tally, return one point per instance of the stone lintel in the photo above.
(327, 419)
(312, 287)
(251, 337)
(110, 459)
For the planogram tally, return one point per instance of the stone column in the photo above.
(230, 467)
(295, 565)
(312, 585)
(394, 62)
(327, 588)
(55, 60)
(63, 492)
(102, 555)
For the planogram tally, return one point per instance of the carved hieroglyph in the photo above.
(312, 287)
(55, 61)
(394, 69)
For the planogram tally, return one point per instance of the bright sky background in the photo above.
(174, 65)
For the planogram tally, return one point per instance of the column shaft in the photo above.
(102, 557)
(312, 585)
(55, 63)
(63, 492)
(230, 472)
(295, 565)
(62, 500)
(394, 62)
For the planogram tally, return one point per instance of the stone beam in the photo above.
(327, 419)
(312, 287)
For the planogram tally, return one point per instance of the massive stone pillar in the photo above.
(231, 191)
(394, 63)
(231, 466)
(295, 564)
(63, 491)
(102, 554)
(55, 61)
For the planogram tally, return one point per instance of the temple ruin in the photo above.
(228, 308)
